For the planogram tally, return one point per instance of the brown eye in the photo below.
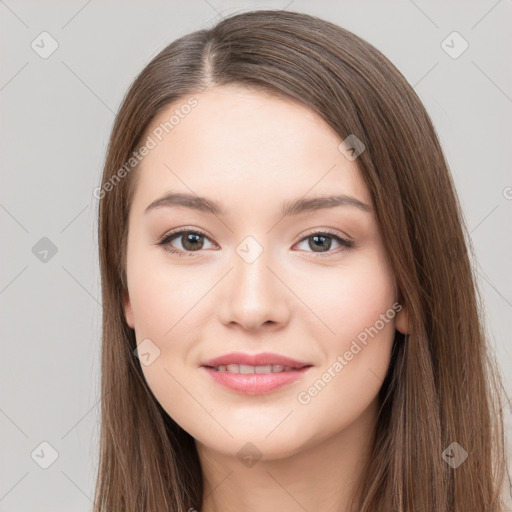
(191, 241)
(321, 242)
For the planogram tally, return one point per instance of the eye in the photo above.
(190, 240)
(321, 242)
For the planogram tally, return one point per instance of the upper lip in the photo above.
(263, 359)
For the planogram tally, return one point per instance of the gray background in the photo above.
(57, 113)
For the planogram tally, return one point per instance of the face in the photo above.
(252, 276)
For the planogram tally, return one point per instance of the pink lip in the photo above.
(262, 359)
(255, 383)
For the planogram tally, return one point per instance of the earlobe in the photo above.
(128, 312)
(402, 321)
(402, 317)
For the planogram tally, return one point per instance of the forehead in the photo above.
(245, 148)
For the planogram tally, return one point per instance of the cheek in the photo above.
(161, 294)
(162, 300)
(360, 311)
(349, 300)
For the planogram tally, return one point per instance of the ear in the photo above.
(402, 321)
(128, 311)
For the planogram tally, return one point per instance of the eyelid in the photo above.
(326, 231)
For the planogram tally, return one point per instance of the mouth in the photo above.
(265, 362)
(246, 369)
(255, 374)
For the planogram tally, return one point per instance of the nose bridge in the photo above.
(252, 278)
(254, 295)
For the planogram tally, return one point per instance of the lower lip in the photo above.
(256, 383)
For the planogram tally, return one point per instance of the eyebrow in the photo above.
(294, 207)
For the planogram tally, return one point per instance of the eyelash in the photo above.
(166, 239)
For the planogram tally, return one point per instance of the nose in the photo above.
(253, 295)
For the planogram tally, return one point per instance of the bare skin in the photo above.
(251, 153)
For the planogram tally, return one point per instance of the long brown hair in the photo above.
(442, 385)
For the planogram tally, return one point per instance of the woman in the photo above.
(290, 320)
